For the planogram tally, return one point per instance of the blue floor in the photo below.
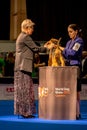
(7, 107)
(18, 123)
(8, 121)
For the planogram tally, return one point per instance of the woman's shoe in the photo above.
(28, 116)
(31, 116)
(78, 117)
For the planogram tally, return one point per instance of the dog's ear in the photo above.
(59, 41)
(53, 40)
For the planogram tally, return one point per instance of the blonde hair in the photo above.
(26, 24)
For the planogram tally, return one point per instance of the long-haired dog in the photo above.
(55, 54)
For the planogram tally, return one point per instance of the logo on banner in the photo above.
(43, 91)
(61, 92)
(58, 92)
(6, 91)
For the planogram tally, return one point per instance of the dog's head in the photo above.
(53, 41)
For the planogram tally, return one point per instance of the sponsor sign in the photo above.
(83, 93)
(7, 91)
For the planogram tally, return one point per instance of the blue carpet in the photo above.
(7, 108)
(8, 121)
(19, 123)
(83, 109)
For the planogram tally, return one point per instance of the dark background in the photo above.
(4, 19)
(51, 18)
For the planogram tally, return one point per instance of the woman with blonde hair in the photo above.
(23, 84)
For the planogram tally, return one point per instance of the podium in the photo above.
(57, 92)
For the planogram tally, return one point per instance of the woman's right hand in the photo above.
(61, 48)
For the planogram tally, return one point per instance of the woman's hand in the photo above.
(61, 48)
